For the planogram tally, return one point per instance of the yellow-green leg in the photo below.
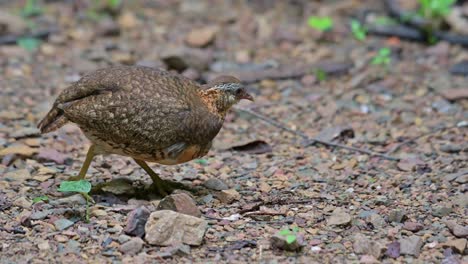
(162, 187)
(85, 166)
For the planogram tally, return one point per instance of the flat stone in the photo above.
(457, 230)
(22, 150)
(411, 245)
(201, 37)
(397, 216)
(413, 226)
(167, 227)
(180, 202)
(366, 246)
(458, 245)
(132, 247)
(17, 175)
(215, 184)
(228, 196)
(441, 211)
(62, 224)
(22, 202)
(339, 217)
(376, 220)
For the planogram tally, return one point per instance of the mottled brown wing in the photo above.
(141, 111)
(130, 122)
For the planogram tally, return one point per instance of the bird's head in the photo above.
(225, 91)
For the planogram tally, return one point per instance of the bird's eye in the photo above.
(238, 91)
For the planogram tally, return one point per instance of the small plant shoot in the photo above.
(29, 44)
(435, 9)
(382, 57)
(289, 234)
(82, 186)
(31, 8)
(359, 31)
(320, 23)
(42, 198)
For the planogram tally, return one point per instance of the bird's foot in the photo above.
(164, 187)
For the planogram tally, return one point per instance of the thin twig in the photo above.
(410, 140)
(311, 141)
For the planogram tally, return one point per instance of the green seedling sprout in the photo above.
(320, 74)
(289, 234)
(382, 57)
(359, 31)
(40, 199)
(82, 186)
(320, 23)
(28, 43)
(435, 9)
(31, 8)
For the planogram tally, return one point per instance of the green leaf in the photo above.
(321, 75)
(295, 229)
(28, 43)
(40, 198)
(435, 9)
(358, 30)
(290, 238)
(382, 57)
(31, 8)
(320, 23)
(114, 4)
(201, 161)
(284, 232)
(81, 186)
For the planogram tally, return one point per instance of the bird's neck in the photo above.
(218, 102)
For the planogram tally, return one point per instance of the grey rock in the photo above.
(132, 247)
(215, 184)
(366, 246)
(376, 220)
(397, 216)
(167, 227)
(441, 211)
(123, 238)
(62, 224)
(180, 202)
(413, 226)
(457, 230)
(39, 215)
(453, 176)
(339, 217)
(411, 245)
(460, 200)
(136, 222)
(22, 202)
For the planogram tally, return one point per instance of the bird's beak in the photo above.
(247, 96)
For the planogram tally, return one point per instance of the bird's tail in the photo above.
(53, 120)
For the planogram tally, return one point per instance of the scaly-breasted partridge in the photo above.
(146, 114)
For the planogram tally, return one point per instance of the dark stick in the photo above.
(311, 141)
